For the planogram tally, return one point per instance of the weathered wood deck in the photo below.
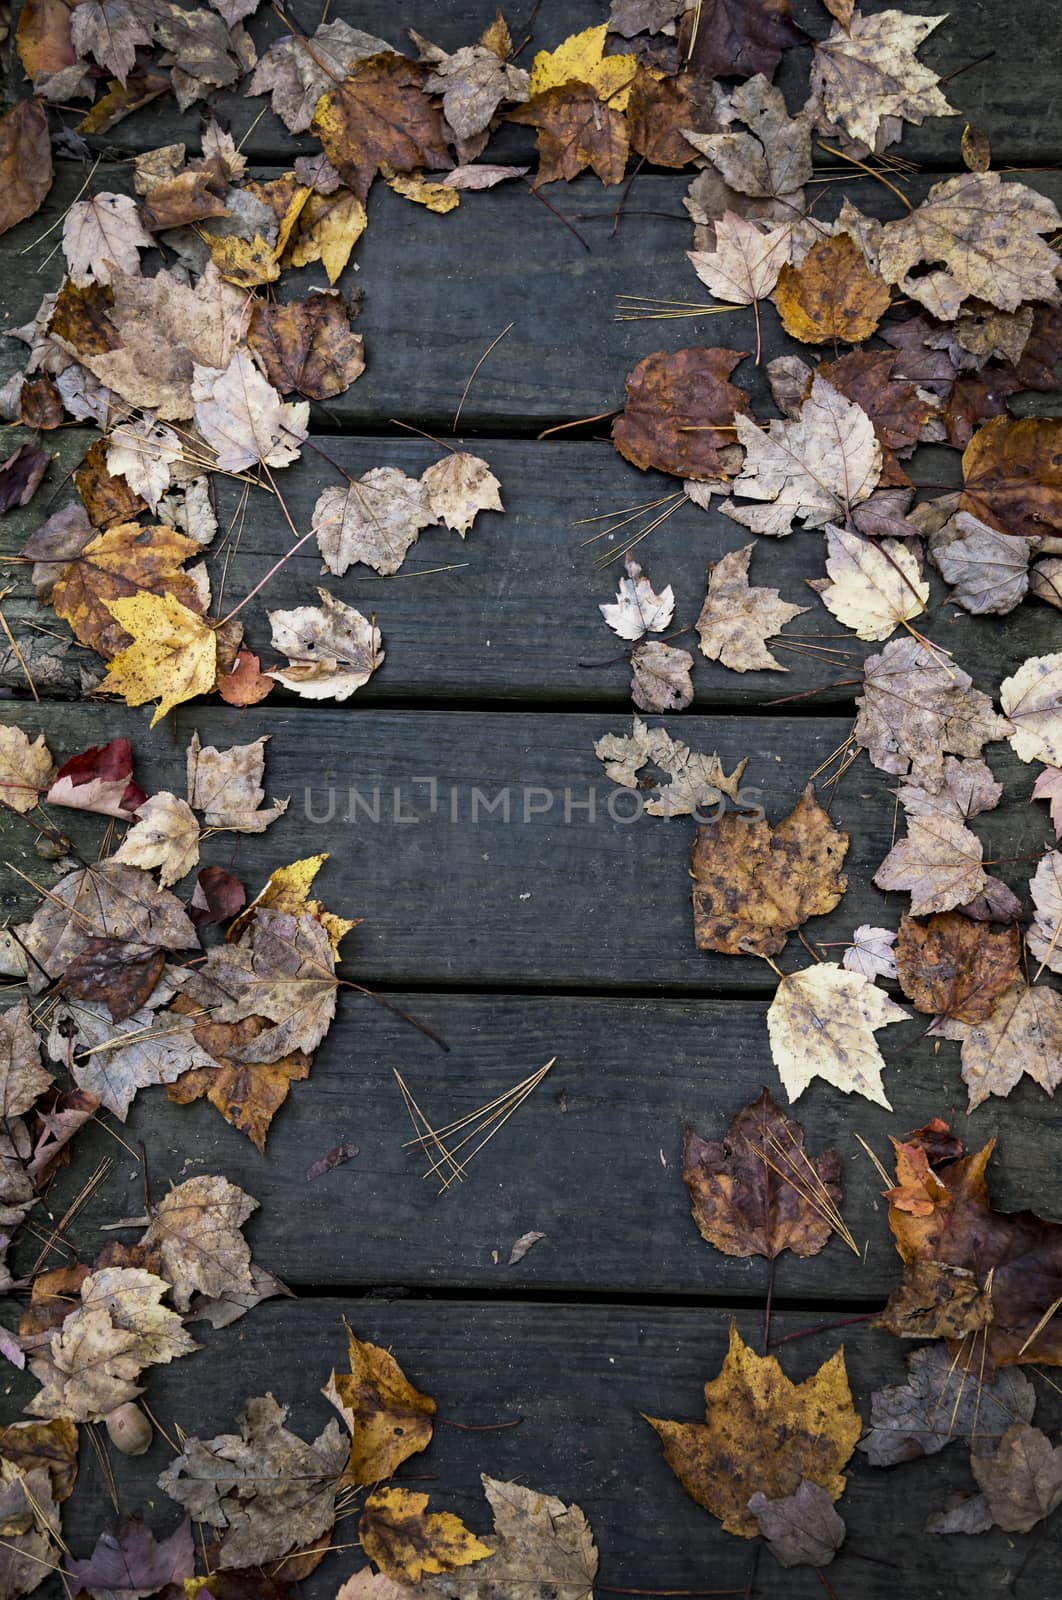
(549, 934)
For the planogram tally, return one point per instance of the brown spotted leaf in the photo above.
(679, 412)
(832, 296)
(1022, 1037)
(952, 967)
(1012, 476)
(25, 162)
(736, 621)
(128, 559)
(380, 116)
(407, 1542)
(307, 345)
(576, 130)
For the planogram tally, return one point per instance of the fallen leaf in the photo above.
(120, 974)
(736, 38)
(28, 1552)
(332, 649)
(660, 677)
(874, 584)
(816, 467)
(832, 295)
(226, 786)
(183, 198)
(196, 1234)
(338, 1156)
(1048, 786)
(1046, 889)
(915, 707)
(938, 864)
(1021, 1479)
(753, 883)
(52, 1445)
(940, 1403)
(680, 412)
(952, 967)
(246, 684)
(821, 1024)
(389, 1420)
(25, 162)
(243, 419)
(772, 161)
(330, 225)
(750, 1193)
(1012, 474)
(103, 233)
(746, 261)
(297, 77)
(246, 263)
(22, 1078)
(307, 345)
(267, 1489)
(173, 657)
(131, 1562)
(522, 1245)
(987, 234)
(25, 769)
(575, 130)
(407, 1542)
(20, 476)
(697, 780)
(801, 1529)
(541, 1548)
(379, 115)
(481, 175)
(895, 406)
(763, 1434)
(165, 835)
(872, 953)
(865, 74)
(474, 81)
(117, 103)
(125, 563)
(459, 487)
(247, 1094)
(989, 570)
(638, 609)
(112, 1060)
(99, 779)
(374, 520)
(580, 59)
(1032, 699)
(1045, 581)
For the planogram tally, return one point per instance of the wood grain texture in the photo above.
(460, 895)
(578, 1377)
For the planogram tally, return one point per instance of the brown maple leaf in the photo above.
(754, 883)
(25, 162)
(380, 116)
(893, 405)
(576, 130)
(307, 345)
(736, 621)
(832, 295)
(679, 412)
(952, 967)
(758, 1192)
(915, 708)
(108, 499)
(247, 1094)
(1012, 476)
(128, 559)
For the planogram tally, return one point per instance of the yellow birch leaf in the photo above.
(173, 656)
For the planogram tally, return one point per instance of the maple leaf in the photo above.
(226, 786)
(1022, 1036)
(754, 883)
(246, 684)
(131, 1562)
(763, 1434)
(737, 38)
(173, 657)
(22, 1078)
(822, 1023)
(801, 1529)
(866, 74)
(288, 890)
(481, 175)
(940, 1403)
(938, 864)
(330, 225)
(575, 130)
(1021, 1480)
(661, 111)
(307, 345)
(284, 970)
(389, 1420)
(874, 584)
(31, 1519)
(99, 779)
(638, 609)
(1032, 700)
(333, 649)
(243, 419)
(102, 234)
(297, 77)
(112, 1058)
(248, 1095)
(25, 162)
(696, 780)
(125, 561)
(580, 59)
(660, 677)
(374, 520)
(379, 115)
(897, 409)
(165, 835)
(1046, 889)
(680, 410)
(52, 1445)
(407, 1542)
(987, 234)
(746, 261)
(990, 570)
(474, 81)
(749, 1193)
(459, 487)
(25, 769)
(773, 160)
(1016, 1256)
(1048, 786)
(915, 708)
(817, 466)
(196, 1234)
(269, 1490)
(955, 968)
(102, 901)
(832, 295)
(541, 1548)
(1012, 476)
(871, 953)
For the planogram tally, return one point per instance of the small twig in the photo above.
(578, 422)
(628, 186)
(485, 1427)
(558, 214)
(825, 1327)
(871, 171)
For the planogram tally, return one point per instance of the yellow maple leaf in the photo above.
(288, 889)
(581, 59)
(763, 1433)
(389, 1420)
(244, 262)
(406, 1542)
(330, 225)
(173, 656)
(413, 186)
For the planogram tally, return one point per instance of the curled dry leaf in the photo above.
(680, 411)
(865, 76)
(874, 584)
(25, 768)
(1032, 699)
(165, 835)
(459, 487)
(407, 1542)
(753, 883)
(374, 520)
(821, 1024)
(871, 952)
(952, 967)
(697, 781)
(660, 677)
(332, 649)
(1012, 476)
(764, 1434)
(801, 1529)
(832, 295)
(750, 1193)
(940, 1403)
(389, 1420)
(638, 609)
(226, 786)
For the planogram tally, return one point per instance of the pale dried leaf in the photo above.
(660, 677)
(959, 789)
(243, 419)
(696, 780)
(875, 584)
(332, 649)
(1045, 935)
(196, 1232)
(104, 900)
(938, 864)
(226, 786)
(1022, 1037)
(772, 160)
(25, 768)
(736, 621)
(165, 835)
(872, 952)
(989, 570)
(112, 1060)
(22, 1078)
(103, 233)
(638, 609)
(866, 74)
(374, 520)
(458, 488)
(916, 707)
(1032, 699)
(821, 1024)
(746, 261)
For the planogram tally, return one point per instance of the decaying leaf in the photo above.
(374, 520)
(697, 781)
(916, 707)
(102, 234)
(680, 411)
(389, 1420)
(772, 162)
(459, 487)
(32, 1519)
(122, 975)
(660, 677)
(52, 1445)
(1048, 786)
(22, 1078)
(989, 569)
(25, 162)
(638, 608)
(26, 768)
(1032, 699)
(952, 967)
(754, 883)
(297, 77)
(866, 75)
(407, 1542)
(1021, 1479)
(379, 115)
(875, 584)
(247, 1094)
(821, 1024)
(99, 779)
(940, 1403)
(541, 1548)
(737, 38)
(764, 1434)
(131, 1561)
(126, 561)
(111, 1059)
(746, 261)
(938, 864)
(801, 1529)
(165, 835)
(196, 1234)
(307, 345)
(242, 417)
(1012, 476)
(750, 1193)
(226, 786)
(332, 649)
(832, 295)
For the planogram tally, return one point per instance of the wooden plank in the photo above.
(518, 615)
(462, 896)
(578, 1377)
(1007, 94)
(593, 1159)
(439, 289)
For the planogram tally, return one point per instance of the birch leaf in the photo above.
(242, 417)
(736, 621)
(821, 1024)
(874, 584)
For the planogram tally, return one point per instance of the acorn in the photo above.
(129, 1429)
